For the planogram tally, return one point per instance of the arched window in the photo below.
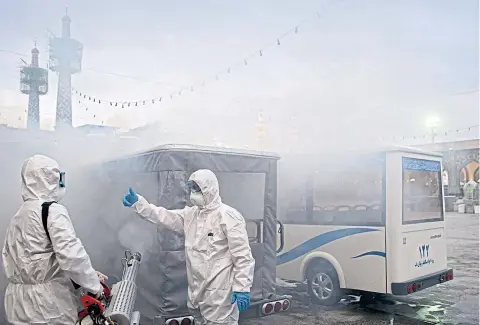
(463, 175)
(445, 177)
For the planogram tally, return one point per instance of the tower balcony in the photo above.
(65, 55)
(33, 78)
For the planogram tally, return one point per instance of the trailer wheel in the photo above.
(322, 284)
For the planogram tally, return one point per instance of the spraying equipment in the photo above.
(115, 305)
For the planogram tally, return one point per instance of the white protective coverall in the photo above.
(218, 255)
(40, 271)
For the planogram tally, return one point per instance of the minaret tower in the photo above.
(65, 59)
(34, 82)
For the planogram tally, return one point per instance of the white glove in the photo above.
(102, 277)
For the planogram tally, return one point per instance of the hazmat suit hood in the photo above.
(41, 179)
(208, 183)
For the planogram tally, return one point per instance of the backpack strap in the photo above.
(45, 207)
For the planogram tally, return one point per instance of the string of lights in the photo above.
(438, 133)
(216, 77)
(393, 138)
(426, 135)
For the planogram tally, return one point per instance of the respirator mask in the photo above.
(196, 196)
(61, 186)
(61, 183)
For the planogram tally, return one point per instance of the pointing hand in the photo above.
(130, 198)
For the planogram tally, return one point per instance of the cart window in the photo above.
(422, 191)
(293, 191)
(244, 192)
(350, 191)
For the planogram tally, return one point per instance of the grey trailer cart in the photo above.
(248, 182)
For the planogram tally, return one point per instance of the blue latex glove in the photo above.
(130, 198)
(242, 299)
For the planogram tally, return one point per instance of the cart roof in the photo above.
(412, 150)
(182, 157)
(206, 149)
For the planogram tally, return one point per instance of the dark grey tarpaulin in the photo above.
(248, 182)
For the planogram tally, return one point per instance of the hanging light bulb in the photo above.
(261, 54)
(278, 41)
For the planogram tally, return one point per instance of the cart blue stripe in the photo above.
(372, 253)
(319, 241)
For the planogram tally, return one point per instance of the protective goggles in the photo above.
(62, 179)
(193, 187)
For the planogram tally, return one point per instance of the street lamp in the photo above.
(432, 122)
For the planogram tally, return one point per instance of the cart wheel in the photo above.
(323, 285)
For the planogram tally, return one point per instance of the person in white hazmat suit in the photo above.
(220, 264)
(40, 270)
